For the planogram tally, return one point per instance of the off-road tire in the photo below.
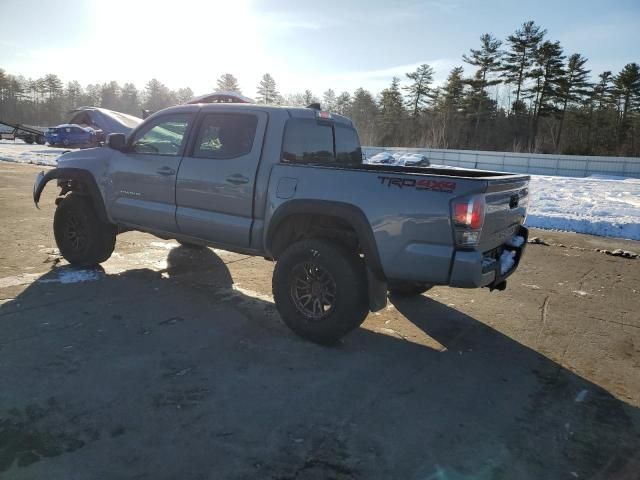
(408, 289)
(350, 301)
(83, 240)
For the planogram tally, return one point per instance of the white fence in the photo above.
(535, 163)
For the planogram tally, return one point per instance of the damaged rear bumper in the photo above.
(473, 269)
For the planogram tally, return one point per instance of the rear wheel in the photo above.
(83, 240)
(320, 290)
(408, 289)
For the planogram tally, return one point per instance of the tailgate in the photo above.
(506, 202)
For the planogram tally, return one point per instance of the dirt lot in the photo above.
(173, 364)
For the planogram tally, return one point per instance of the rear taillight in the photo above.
(468, 217)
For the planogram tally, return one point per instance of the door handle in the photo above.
(166, 171)
(237, 179)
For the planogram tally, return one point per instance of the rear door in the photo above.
(215, 187)
(143, 188)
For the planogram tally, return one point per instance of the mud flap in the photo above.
(377, 292)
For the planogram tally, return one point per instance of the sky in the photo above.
(312, 45)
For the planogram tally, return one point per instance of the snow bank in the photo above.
(599, 205)
(19, 152)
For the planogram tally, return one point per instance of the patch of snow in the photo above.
(72, 275)
(165, 245)
(507, 260)
(582, 293)
(20, 152)
(516, 241)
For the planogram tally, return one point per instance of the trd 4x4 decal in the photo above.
(421, 184)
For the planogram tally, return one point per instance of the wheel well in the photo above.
(301, 226)
(67, 185)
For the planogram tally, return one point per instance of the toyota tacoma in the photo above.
(289, 184)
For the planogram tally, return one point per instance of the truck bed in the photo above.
(409, 209)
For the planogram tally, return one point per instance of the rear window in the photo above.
(348, 151)
(307, 141)
(310, 141)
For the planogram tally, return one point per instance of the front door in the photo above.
(143, 189)
(216, 180)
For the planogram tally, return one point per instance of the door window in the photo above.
(164, 136)
(225, 135)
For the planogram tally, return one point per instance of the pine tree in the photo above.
(547, 74)
(73, 94)
(329, 100)
(308, 98)
(343, 104)
(110, 95)
(363, 113)
(228, 83)
(157, 96)
(573, 88)
(451, 96)
(418, 91)
(52, 85)
(183, 95)
(130, 99)
(267, 91)
(449, 105)
(487, 60)
(602, 92)
(627, 90)
(520, 57)
(392, 111)
(4, 84)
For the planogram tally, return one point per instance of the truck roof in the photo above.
(294, 112)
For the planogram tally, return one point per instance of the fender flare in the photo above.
(345, 211)
(83, 176)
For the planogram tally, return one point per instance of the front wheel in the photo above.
(83, 240)
(320, 290)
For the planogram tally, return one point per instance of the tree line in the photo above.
(525, 94)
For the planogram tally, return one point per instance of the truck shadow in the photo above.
(177, 374)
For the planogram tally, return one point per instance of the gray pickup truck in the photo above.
(290, 184)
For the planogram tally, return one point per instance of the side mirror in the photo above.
(117, 141)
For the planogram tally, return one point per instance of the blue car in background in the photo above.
(69, 135)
